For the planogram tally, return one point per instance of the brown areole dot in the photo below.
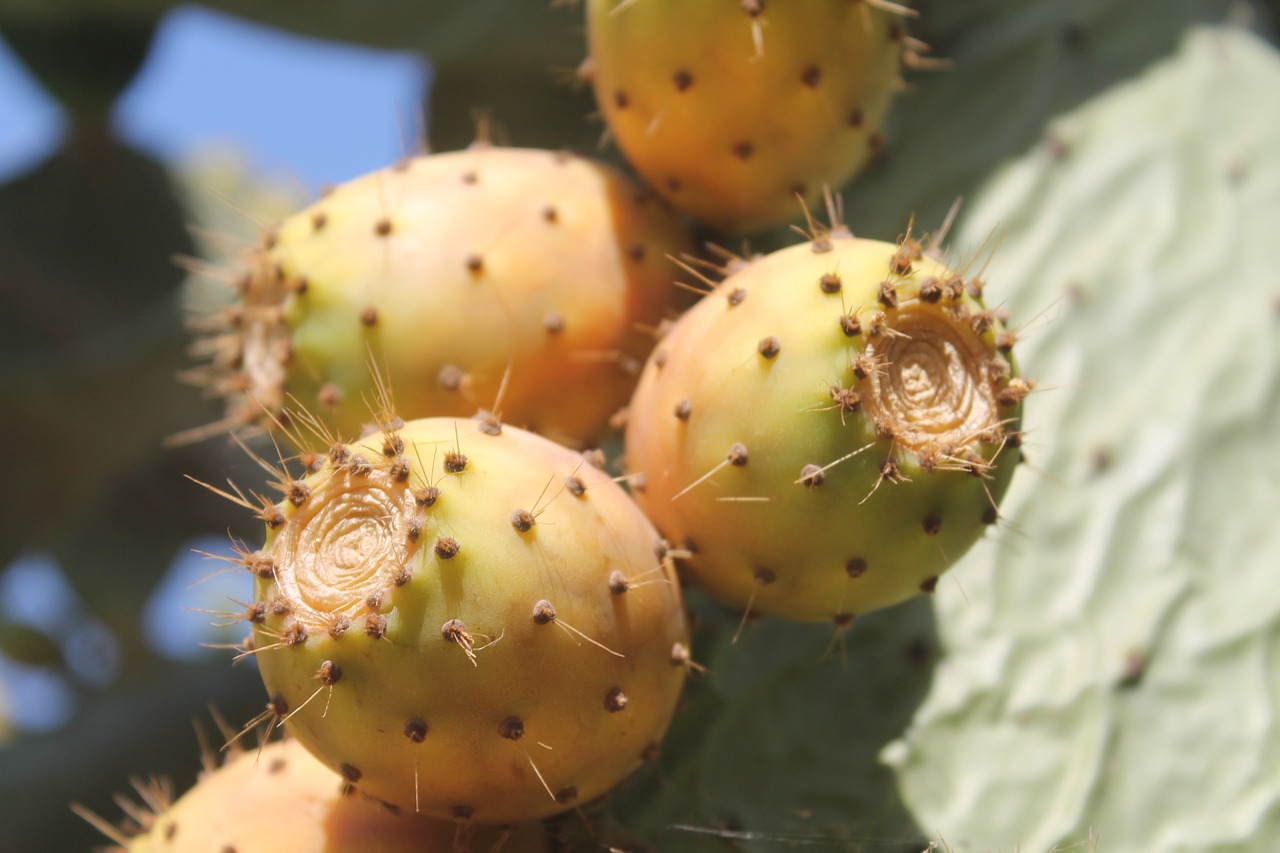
(620, 99)
(550, 214)
(830, 283)
(382, 227)
(811, 76)
(930, 291)
(770, 346)
(415, 730)
(450, 377)
(843, 621)
(318, 220)
(522, 520)
(887, 295)
(339, 627)
(743, 150)
(566, 795)
(683, 80)
(511, 728)
(399, 469)
(470, 178)
(330, 673)
(679, 655)
(447, 547)
(737, 454)
(543, 612)
(575, 485)
(764, 576)
(262, 565)
(375, 625)
(932, 525)
(684, 409)
(295, 634)
(359, 466)
(403, 576)
(475, 265)
(455, 632)
(855, 117)
(425, 496)
(736, 296)
(272, 516)
(350, 772)
(929, 584)
(618, 583)
(990, 516)
(369, 316)
(849, 325)
(553, 323)
(812, 476)
(615, 700)
(855, 567)
(454, 462)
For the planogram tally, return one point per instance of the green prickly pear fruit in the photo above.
(281, 798)
(829, 429)
(452, 271)
(729, 108)
(467, 620)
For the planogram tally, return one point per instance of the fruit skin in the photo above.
(282, 798)
(468, 621)
(728, 109)
(448, 270)
(829, 495)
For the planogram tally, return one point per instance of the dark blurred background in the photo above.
(136, 131)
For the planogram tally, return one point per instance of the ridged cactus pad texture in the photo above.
(468, 621)
(281, 798)
(829, 429)
(729, 109)
(454, 271)
(1114, 670)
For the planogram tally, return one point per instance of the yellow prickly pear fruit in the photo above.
(467, 620)
(490, 277)
(829, 429)
(730, 108)
(281, 798)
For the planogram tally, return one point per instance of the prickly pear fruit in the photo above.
(283, 798)
(829, 429)
(451, 270)
(467, 620)
(729, 108)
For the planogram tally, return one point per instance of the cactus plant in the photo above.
(731, 109)
(282, 798)
(829, 429)
(1112, 672)
(509, 279)
(467, 620)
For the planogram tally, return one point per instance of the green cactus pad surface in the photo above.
(1112, 671)
(829, 429)
(468, 621)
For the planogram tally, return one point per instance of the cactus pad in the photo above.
(1113, 671)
